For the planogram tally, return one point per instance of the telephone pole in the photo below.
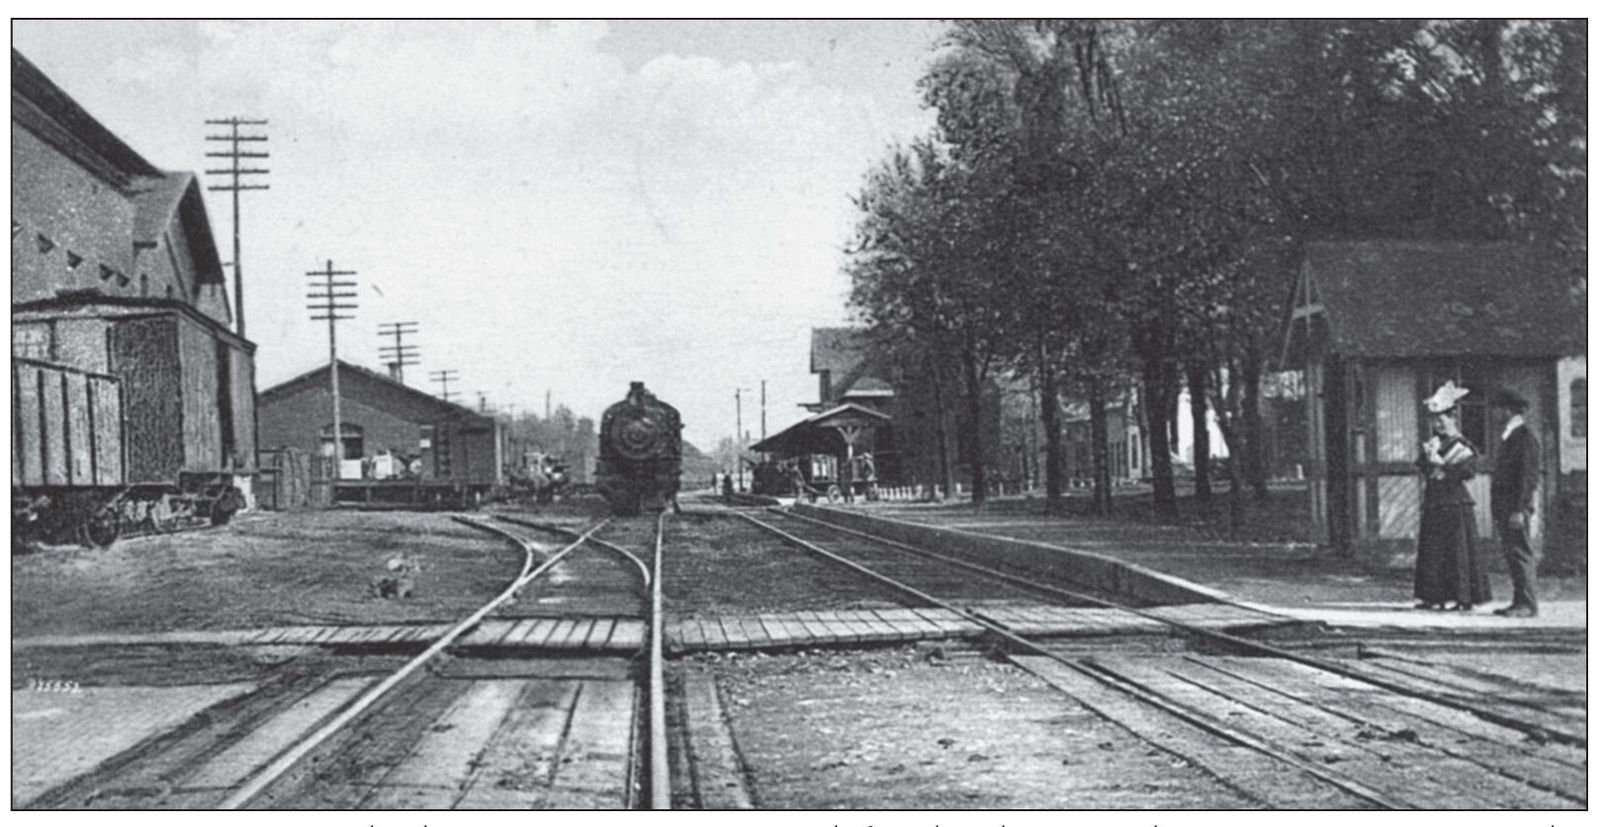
(326, 303)
(739, 438)
(235, 154)
(764, 410)
(444, 378)
(398, 355)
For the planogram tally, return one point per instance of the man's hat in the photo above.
(1509, 399)
(1445, 398)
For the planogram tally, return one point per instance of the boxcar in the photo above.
(126, 412)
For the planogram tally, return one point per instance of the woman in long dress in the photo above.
(1449, 567)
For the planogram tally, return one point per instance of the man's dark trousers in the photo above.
(1522, 561)
(1512, 491)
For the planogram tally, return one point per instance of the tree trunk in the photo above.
(1201, 436)
(1099, 449)
(1050, 419)
(1255, 459)
(975, 416)
(1158, 407)
(1236, 495)
(941, 436)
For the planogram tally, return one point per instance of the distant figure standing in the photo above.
(1512, 485)
(1448, 567)
(728, 486)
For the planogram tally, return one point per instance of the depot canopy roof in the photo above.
(820, 433)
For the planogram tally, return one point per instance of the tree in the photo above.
(1030, 106)
(921, 267)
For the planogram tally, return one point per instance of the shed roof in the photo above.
(1416, 299)
(380, 392)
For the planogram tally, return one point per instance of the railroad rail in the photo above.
(880, 558)
(263, 785)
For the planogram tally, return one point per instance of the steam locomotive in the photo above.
(641, 454)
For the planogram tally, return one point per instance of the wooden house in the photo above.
(1378, 325)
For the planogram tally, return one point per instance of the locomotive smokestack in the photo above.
(636, 387)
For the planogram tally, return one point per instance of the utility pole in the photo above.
(764, 410)
(739, 438)
(398, 355)
(547, 404)
(326, 304)
(444, 378)
(234, 171)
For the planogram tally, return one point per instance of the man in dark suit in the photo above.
(1512, 488)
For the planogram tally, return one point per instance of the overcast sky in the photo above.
(565, 206)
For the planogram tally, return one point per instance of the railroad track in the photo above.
(529, 727)
(1282, 727)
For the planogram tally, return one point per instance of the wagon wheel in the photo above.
(834, 495)
(102, 529)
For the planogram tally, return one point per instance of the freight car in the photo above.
(641, 453)
(126, 412)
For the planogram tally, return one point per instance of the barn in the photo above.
(1378, 325)
(398, 444)
(130, 391)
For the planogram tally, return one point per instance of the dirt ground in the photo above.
(908, 728)
(265, 569)
(724, 565)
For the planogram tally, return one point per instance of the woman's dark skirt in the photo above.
(1449, 567)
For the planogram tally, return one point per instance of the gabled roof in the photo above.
(356, 381)
(69, 127)
(1415, 299)
(857, 363)
(837, 349)
(162, 199)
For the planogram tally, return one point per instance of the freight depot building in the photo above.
(392, 433)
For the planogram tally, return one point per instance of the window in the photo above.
(352, 440)
(1578, 408)
(1475, 423)
(30, 341)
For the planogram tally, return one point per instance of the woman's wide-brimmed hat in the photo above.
(1445, 398)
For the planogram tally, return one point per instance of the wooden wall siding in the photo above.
(1396, 408)
(81, 343)
(202, 426)
(1317, 485)
(144, 356)
(1572, 447)
(53, 402)
(16, 425)
(80, 434)
(1479, 487)
(55, 436)
(1399, 506)
(105, 406)
(28, 425)
(242, 385)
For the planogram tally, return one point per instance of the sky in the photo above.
(564, 206)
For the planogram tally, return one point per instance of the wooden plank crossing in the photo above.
(888, 625)
(768, 630)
